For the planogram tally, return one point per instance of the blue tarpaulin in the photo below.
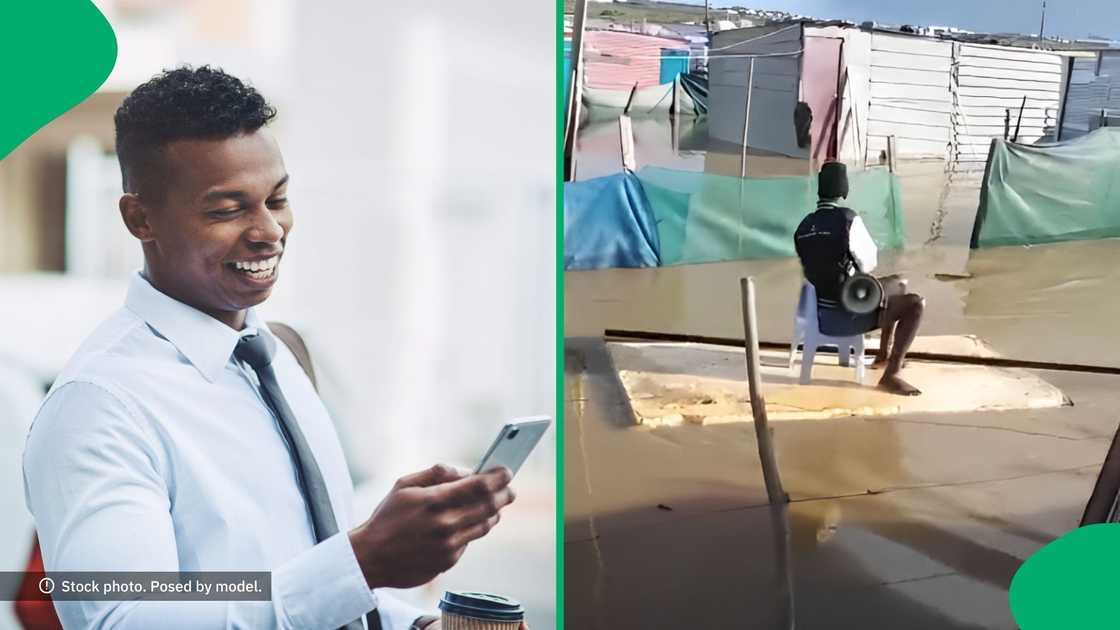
(608, 222)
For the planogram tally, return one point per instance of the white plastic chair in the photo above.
(806, 331)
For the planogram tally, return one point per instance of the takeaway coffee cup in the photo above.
(479, 611)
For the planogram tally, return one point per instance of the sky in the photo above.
(1064, 18)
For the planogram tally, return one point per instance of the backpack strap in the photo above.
(291, 338)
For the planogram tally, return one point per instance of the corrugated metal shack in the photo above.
(1092, 98)
(939, 98)
(774, 92)
(617, 60)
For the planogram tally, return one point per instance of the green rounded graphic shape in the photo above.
(1070, 583)
(53, 54)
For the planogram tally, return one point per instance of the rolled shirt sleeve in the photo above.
(396, 614)
(862, 246)
(94, 479)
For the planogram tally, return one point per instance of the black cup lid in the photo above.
(481, 606)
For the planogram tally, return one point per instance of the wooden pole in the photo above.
(779, 525)
(1065, 100)
(892, 151)
(626, 142)
(1020, 120)
(676, 96)
(675, 133)
(1042, 26)
(1006, 123)
(630, 100)
(747, 118)
(675, 119)
(575, 91)
(758, 403)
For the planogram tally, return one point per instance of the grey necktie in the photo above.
(257, 351)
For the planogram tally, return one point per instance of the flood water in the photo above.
(1041, 303)
(909, 522)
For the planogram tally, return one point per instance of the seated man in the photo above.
(833, 244)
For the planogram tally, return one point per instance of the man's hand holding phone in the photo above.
(425, 523)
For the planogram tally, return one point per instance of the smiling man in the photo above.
(183, 437)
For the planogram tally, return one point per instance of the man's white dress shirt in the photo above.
(154, 451)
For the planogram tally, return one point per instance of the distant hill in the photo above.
(668, 12)
(656, 12)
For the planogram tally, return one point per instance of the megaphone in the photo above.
(861, 294)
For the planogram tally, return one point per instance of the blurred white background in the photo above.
(420, 141)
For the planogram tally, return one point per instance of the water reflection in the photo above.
(657, 142)
(1048, 303)
(682, 145)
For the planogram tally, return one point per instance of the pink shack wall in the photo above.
(820, 75)
(617, 60)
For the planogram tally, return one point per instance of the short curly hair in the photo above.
(183, 103)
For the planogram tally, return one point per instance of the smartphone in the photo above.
(514, 443)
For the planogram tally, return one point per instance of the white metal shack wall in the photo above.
(1087, 93)
(1110, 67)
(775, 88)
(989, 84)
(910, 97)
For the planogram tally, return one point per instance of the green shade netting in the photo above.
(703, 217)
(1048, 193)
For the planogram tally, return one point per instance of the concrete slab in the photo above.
(670, 384)
(955, 345)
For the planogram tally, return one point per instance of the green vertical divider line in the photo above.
(561, 99)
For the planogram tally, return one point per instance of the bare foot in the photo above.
(895, 385)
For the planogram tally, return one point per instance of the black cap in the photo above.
(832, 183)
(481, 606)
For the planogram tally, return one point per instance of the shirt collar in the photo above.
(206, 342)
